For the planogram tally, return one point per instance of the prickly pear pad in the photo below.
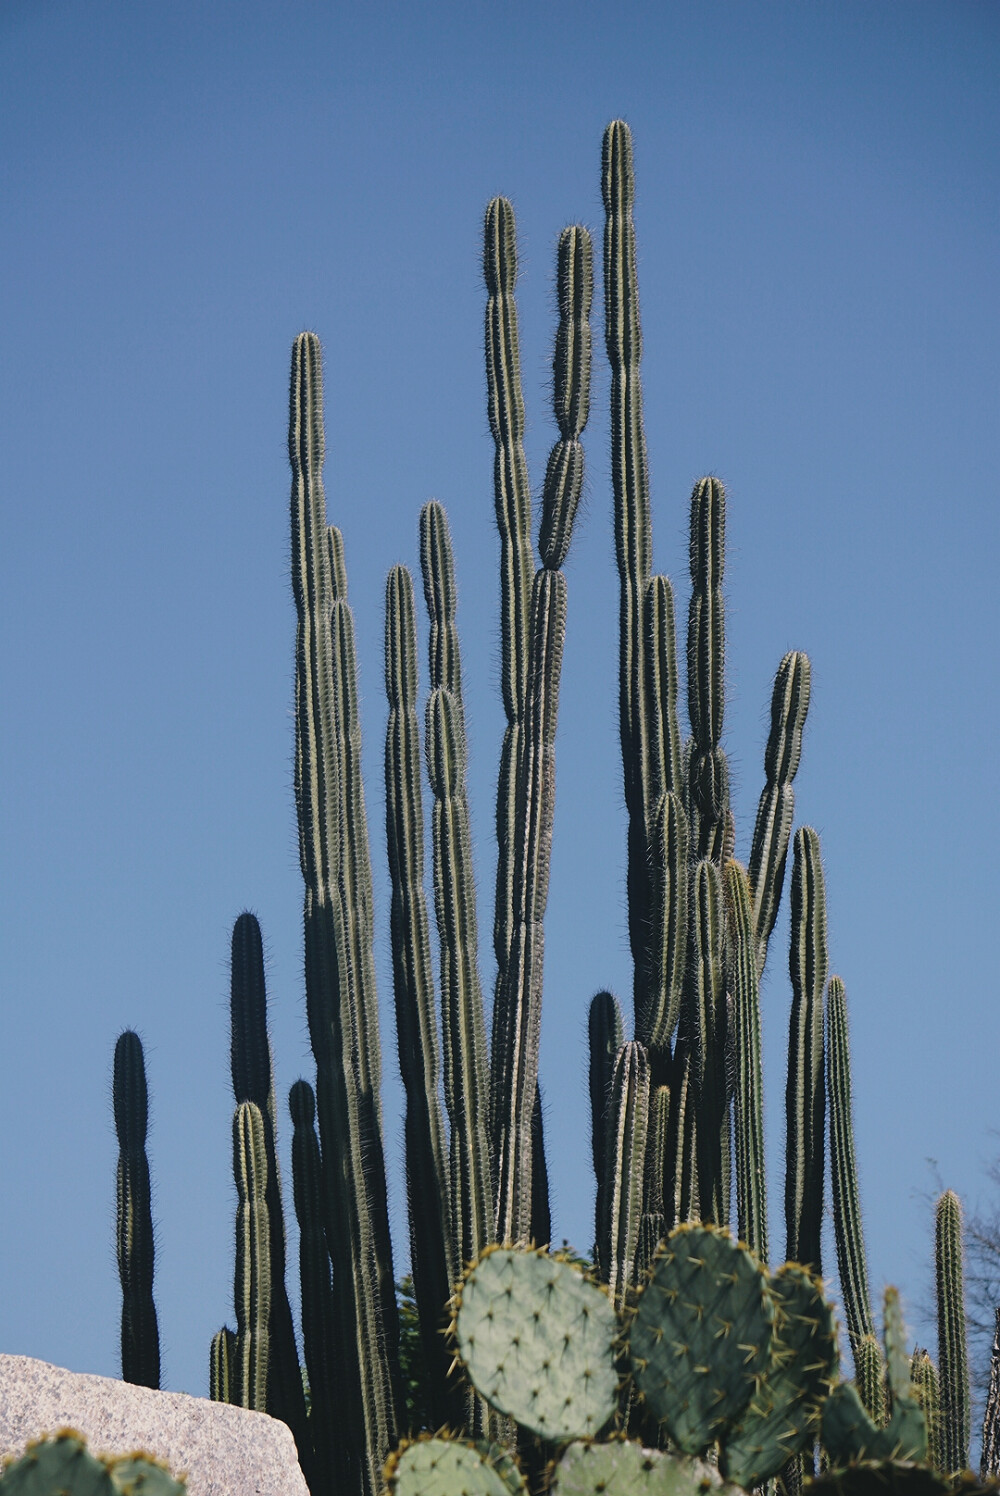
(447, 1467)
(701, 1334)
(62, 1463)
(623, 1468)
(537, 1339)
(784, 1410)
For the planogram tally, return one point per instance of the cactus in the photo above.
(924, 1377)
(451, 1467)
(61, 1465)
(852, 1265)
(140, 1339)
(989, 1467)
(537, 1340)
(952, 1353)
(619, 1205)
(805, 1100)
(252, 1292)
(850, 1435)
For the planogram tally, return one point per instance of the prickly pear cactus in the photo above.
(784, 1411)
(850, 1436)
(537, 1339)
(623, 1468)
(701, 1335)
(63, 1466)
(449, 1467)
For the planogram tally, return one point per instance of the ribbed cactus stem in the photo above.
(140, 1339)
(221, 1363)
(869, 1376)
(571, 394)
(252, 1292)
(250, 1059)
(953, 1358)
(989, 1467)
(517, 1010)
(706, 666)
(338, 1013)
(751, 1192)
(319, 1334)
(625, 1153)
(852, 1265)
(805, 1090)
(773, 827)
(605, 1038)
(434, 1264)
(708, 1025)
(669, 844)
(924, 1378)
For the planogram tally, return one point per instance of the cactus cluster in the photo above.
(677, 1129)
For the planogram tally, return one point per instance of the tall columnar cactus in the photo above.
(989, 1467)
(533, 630)
(340, 1010)
(252, 1289)
(805, 1100)
(250, 1063)
(852, 1265)
(751, 1194)
(140, 1339)
(953, 1360)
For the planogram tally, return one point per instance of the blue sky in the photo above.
(187, 187)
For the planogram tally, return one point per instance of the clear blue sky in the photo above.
(185, 187)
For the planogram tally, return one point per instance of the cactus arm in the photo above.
(706, 667)
(804, 1094)
(140, 1339)
(773, 826)
(620, 1200)
(668, 946)
(348, 1113)
(924, 1377)
(953, 1358)
(605, 1038)
(252, 1292)
(751, 1192)
(571, 395)
(869, 1379)
(848, 1230)
(221, 1364)
(434, 1265)
(709, 1023)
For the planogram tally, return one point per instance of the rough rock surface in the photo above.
(223, 1451)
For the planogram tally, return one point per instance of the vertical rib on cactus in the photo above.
(252, 1289)
(706, 667)
(633, 530)
(657, 1021)
(989, 1467)
(250, 1059)
(332, 1470)
(869, 1377)
(773, 827)
(848, 1230)
(953, 1359)
(923, 1376)
(804, 1093)
(463, 1027)
(751, 1192)
(434, 1265)
(571, 395)
(140, 1338)
(357, 1218)
(620, 1200)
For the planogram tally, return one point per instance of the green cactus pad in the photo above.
(701, 1335)
(623, 1468)
(143, 1475)
(60, 1464)
(784, 1411)
(849, 1434)
(446, 1467)
(537, 1339)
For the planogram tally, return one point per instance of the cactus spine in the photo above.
(140, 1339)
(952, 1353)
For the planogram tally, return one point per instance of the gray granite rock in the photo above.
(223, 1451)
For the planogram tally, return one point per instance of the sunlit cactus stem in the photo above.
(621, 1197)
(221, 1366)
(751, 1192)
(953, 1357)
(140, 1340)
(848, 1230)
(252, 1293)
(432, 1248)
(773, 826)
(339, 1012)
(805, 1090)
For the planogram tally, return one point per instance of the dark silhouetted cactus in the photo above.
(140, 1338)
